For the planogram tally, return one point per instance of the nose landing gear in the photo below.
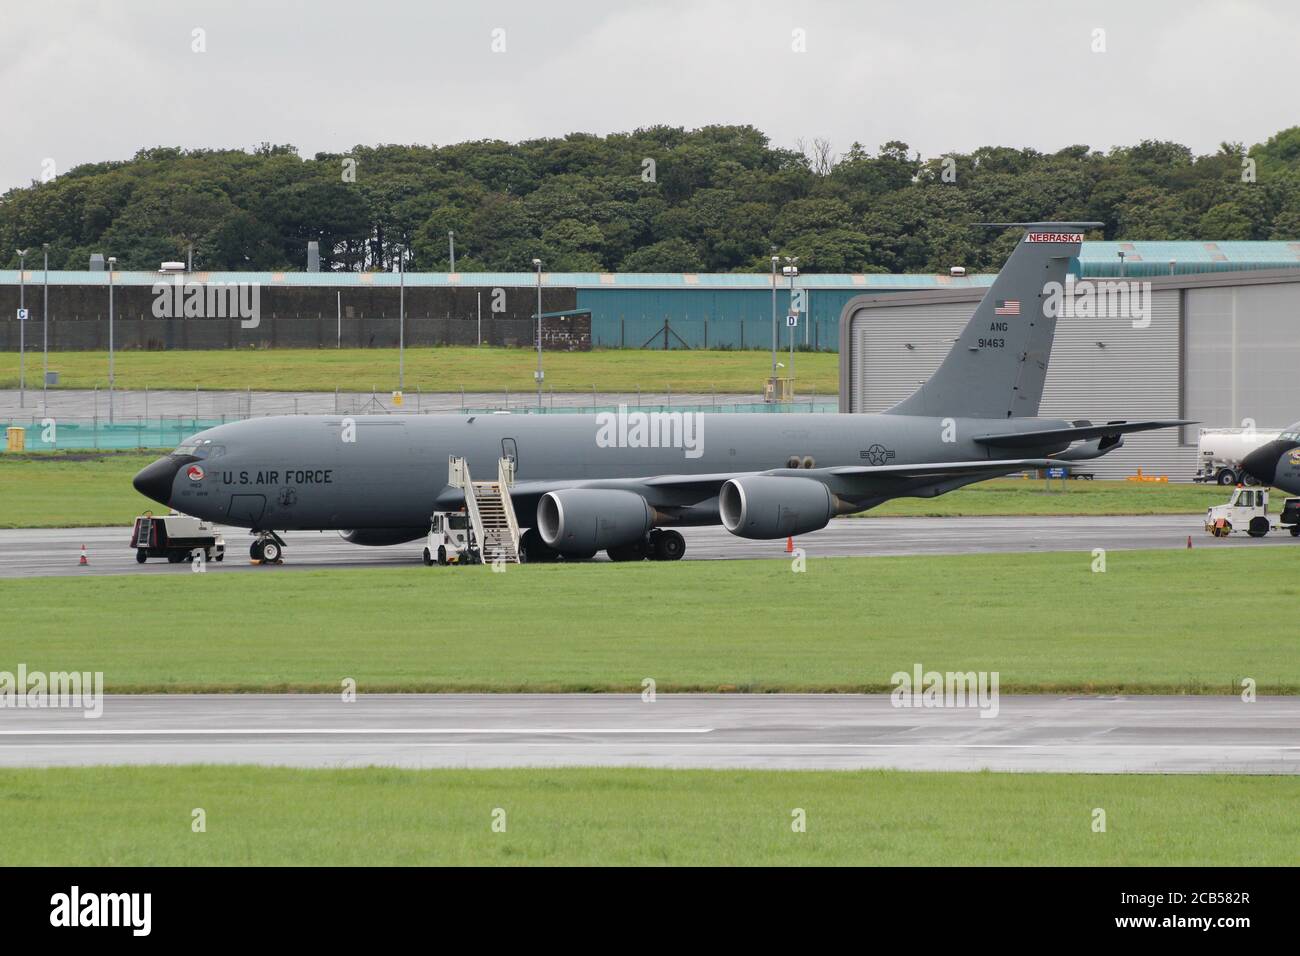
(267, 549)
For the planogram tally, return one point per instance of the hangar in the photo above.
(1215, 347)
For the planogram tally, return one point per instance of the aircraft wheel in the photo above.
(669, 546)
(255, 551)
(271, 551)
(428, 558)
(141, 556)
(442, 555)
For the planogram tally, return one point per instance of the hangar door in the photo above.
(896, 348)
(1243, 349)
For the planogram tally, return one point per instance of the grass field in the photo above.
(280, 817)
(44, 490)
(1155, 622)
(1018, 496)
(58, 490)
(433, 370)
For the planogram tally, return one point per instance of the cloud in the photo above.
(95, 81)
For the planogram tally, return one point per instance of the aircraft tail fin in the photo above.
(998, 364)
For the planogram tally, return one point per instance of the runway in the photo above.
(777, 731)
(55, 551)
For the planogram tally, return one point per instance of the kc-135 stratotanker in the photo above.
(620, 482)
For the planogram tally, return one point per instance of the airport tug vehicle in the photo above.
(175, 537)
(1247, 510)
(451, 540)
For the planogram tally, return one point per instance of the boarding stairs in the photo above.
(490, 509)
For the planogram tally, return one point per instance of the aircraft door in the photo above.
(509, 450)
(247, 509)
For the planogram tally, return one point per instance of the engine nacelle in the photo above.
(382, 537)
(767, 506)
(585, 520)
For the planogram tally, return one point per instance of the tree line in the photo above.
(662, 199)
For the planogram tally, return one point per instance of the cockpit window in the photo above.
(200, 448)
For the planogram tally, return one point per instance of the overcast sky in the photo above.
(90, 81)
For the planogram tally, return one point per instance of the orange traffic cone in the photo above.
(789, 545)
(83, 559)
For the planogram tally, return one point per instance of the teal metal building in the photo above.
(728, 310)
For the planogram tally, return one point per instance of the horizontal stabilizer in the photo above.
(1060, 436)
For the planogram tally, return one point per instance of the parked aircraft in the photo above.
(622, 482)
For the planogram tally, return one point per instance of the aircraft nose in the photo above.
(155, 480)
(1262, 462)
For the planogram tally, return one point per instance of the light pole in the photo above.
(45, 335)
(537, 264)
(401, 318)
(451, 249)
(22, 328)
(792, 270)
(774, 258)
(112, 261)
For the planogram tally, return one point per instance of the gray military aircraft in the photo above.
(620, 482)
(1277, 463)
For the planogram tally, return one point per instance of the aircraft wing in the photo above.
(1054, 436)
(676, 490)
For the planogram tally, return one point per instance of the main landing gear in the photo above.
(267, 549)
(661, 544)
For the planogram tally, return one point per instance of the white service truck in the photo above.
(1247, 510)
(175, 537)
(1219, 452)
(451, 540)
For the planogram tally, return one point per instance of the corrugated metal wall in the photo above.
(1135, 374)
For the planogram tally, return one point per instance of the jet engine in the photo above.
(766, 506)
(381, 537)
(587, 520)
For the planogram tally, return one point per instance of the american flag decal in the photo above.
(1006, 307)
